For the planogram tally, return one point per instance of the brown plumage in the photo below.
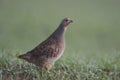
(50, 50)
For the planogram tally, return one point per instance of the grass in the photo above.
(62, 71)
(92, 41)
(70, 71)
(65, 69)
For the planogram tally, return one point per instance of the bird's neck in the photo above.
(59, 32)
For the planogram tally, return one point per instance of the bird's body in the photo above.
(50, 50)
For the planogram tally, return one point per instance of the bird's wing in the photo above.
(48, 48)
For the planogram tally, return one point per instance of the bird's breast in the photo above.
(61, 50)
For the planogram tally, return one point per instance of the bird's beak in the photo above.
(70, 21)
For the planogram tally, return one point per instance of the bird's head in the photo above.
(66, 21)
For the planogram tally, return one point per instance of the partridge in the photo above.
(49, 51)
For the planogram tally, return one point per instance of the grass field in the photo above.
(92, 41)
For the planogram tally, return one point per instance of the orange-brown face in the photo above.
(67, 21)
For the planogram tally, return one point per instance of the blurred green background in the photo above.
(95, 31)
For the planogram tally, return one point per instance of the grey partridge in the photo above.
(50, 50)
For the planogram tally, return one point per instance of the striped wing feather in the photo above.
(48, 48)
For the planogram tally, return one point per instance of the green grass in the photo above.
(65, 69)
(92, 41)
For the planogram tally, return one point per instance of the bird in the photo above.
(50, 50)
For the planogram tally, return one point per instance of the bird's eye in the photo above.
(66, 20)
